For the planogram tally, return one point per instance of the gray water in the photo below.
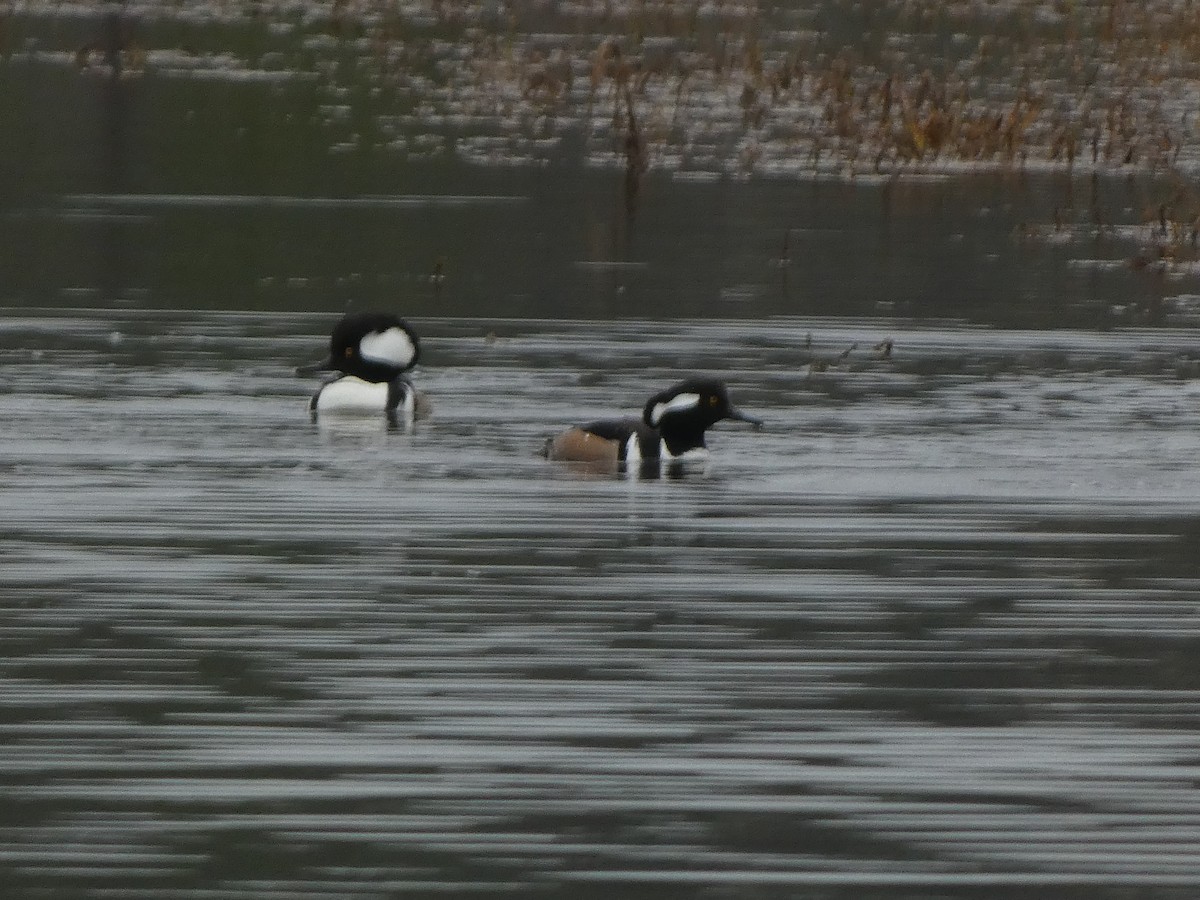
(929, 633)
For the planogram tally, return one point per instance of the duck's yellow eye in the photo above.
(714, 400)
(349, 352)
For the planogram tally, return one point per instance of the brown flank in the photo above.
(582, 446)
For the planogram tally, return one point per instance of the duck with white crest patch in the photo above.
(371, 352)
(672, 428)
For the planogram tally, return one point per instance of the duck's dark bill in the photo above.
(740, 416)
(325, 365)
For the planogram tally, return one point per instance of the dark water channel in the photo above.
(931, 633)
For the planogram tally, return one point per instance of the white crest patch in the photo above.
(392, 347)
(350, 394)
(678, 403)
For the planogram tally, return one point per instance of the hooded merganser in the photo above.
(372, 351)
(671, 428)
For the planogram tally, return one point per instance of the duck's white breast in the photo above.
(694, 454)
(351, 394)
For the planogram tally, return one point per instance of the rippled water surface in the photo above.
(932, 632)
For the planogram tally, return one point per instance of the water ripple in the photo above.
(933, 630)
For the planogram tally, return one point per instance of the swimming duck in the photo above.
(672, 428)
(371, 351)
